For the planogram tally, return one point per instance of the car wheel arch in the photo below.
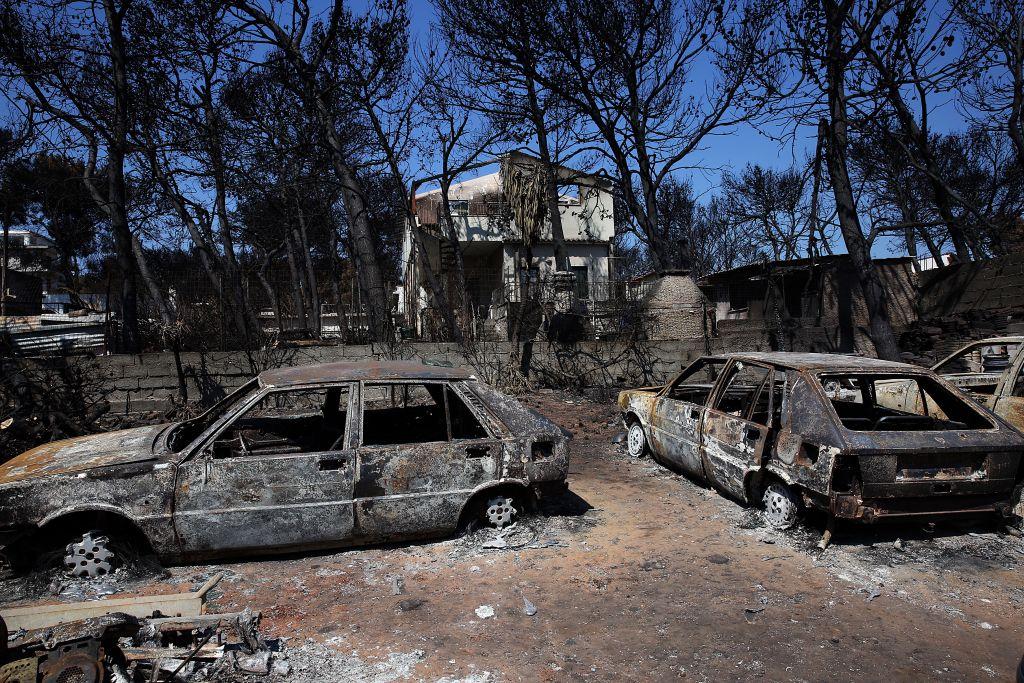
(93, 515)
(757, 478)
(632, 416)
(518, 487)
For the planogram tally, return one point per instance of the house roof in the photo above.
(491, 182)
(361, 370)
(758, 267)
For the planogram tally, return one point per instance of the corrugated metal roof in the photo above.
(35, 335)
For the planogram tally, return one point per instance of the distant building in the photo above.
(808, 304)
(24, 294)
(492, 245)
(30, 252)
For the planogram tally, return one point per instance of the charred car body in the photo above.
(298, 458)
(793, 429)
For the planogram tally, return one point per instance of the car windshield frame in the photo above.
(209, 417)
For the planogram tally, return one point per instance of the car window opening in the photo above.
(695, 383)
(744, 395)
(898, 403)
(187, 431)
(395, 414)
(981, 358)
(282, 422)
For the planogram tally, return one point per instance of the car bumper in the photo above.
(852, 507)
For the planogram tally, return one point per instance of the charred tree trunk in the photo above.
(261, 275)
(117, 193)
(880, 328)
(307, 263)
(298, 295)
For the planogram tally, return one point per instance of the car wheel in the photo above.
(90, 556)
(781, 506)
(636, 442)
(500, 511)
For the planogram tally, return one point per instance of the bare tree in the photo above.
(773, 203)
(69, 60)
(994, 32)
(501, 50)
(305, 45)
(821, 47)
(458, 140)
(638, 71)
(903, 51)
(189, 140)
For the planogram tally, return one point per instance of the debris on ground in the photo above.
(125, 648)
(485, 611)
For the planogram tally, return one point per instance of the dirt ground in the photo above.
(638, 574)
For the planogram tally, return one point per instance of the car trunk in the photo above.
(937, 471)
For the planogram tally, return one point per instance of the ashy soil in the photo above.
(637, 574)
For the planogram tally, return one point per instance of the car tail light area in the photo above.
(542, 451)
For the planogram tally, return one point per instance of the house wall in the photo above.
(593, 256)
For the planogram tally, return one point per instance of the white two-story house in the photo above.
(494, 250)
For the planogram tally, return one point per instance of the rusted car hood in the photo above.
(82, 453)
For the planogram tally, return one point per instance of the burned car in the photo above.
(299, 458)
(990, 370)
(790, 430)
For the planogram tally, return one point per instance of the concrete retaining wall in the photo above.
(149, 382)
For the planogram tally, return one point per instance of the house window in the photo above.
(581, 283)
(460, 207)
(738, 296)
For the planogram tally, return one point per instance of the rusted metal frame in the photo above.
(720, 383)
(447, 413)
(704, 360)
(43, 616)
(718, 390)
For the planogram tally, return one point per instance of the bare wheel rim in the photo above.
(500, 511)
(89, 557)
(635, 440)
(780, 506)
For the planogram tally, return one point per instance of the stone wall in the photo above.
(149, 382)
(966, 302)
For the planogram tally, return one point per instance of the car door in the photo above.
(423, 452)
(1009, 403)
(677, 414)
(277, 474)
(735, 428)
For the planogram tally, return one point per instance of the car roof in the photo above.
(1011, 339)
(360, 370)
(822, 361)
